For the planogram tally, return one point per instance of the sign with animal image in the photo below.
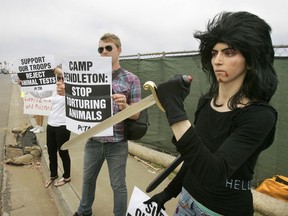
(88, 90)
(36, 73)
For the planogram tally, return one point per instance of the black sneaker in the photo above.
(77, 214)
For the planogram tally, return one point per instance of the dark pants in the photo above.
(56, 137)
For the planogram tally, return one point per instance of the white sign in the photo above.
(88, 90)
(37, 106)
(137, 208)
(36, 73)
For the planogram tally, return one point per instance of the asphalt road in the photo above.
(23, 191)
(22, 187)
(5, 95)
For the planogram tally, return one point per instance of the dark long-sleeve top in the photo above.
(220, 154)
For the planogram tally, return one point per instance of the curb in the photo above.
(67, 199)
(268, 205)
(62, 196)
(152, 155)
(263, 204)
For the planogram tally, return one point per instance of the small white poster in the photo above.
(137, 208)
(88, 90)
(37, 106)
(36, 73)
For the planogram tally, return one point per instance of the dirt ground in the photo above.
(23, 185)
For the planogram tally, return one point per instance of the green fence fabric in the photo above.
(157, 70)
(273, 161)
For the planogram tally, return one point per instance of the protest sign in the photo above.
(36, 73)
(88, 90)
(36, 106)
(137, 208)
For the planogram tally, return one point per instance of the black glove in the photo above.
(172, 94)
(160, 199)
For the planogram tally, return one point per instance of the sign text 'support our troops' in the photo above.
(36, 72)
(35, 65)
(87, 92)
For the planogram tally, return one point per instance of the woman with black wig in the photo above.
(233, 123)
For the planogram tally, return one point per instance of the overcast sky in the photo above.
(73, 27)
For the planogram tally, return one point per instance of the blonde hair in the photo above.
(57, 71)
(108, 37)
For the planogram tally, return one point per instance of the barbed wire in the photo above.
(280, 51)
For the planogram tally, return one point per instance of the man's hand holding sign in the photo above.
(182, 88)
(129, 111)
(87, 93)
(135, 108)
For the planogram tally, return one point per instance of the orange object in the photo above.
(276, 187)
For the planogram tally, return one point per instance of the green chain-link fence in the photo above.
(157, 67)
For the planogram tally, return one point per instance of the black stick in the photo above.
(164, 174)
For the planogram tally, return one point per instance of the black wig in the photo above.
(250, 35)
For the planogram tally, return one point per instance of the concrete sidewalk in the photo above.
(139, 174)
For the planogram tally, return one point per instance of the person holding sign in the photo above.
(234, 121)
(57, 135)
(114, 149)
